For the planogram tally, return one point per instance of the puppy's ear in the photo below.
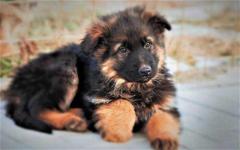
(156, 21)
(94, 37)
(97, 30)
(159, 23)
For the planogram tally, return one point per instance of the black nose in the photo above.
(145, 70)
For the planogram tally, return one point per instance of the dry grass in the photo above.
(157, 4)
(181, 51)
(227, 19)
(211, 46)
(185, 48)
(40, 21)
(48, 24)
(205, 73)
(198, 74)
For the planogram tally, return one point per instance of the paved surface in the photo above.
(210, 117)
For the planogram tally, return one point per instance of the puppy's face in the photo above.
(129, 45)
(136, 57)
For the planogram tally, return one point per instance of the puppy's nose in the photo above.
(145, 70)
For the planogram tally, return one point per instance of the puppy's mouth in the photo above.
(138, 79)
(144, 79)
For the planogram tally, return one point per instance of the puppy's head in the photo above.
(128, 45)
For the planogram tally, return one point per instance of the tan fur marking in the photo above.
(147, 14)
(109, 72)
(116, 46)
(145, 32)
(163, 127)
(129, 85)
(71, 92)
(150, 38)
(107, 68)
(150, 83)
(160, 54)
(67, 120)
(96, 30)
(116, 120)
(99, 52)
(112, 20)
(76, 111)
(119, 82)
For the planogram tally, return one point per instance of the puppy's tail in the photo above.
(24, 120)
(21, 116)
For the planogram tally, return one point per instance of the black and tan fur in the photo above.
(117, 77)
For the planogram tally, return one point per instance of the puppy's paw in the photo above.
(116, 137)
(112, 132)
(162, 131)
(115, 121)
(165, 144)
(76, 124)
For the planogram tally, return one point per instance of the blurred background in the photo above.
(204, 40)
(203, 51)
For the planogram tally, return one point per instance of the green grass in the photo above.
(7, 65)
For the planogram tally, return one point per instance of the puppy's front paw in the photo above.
(162, 131)
(113, 131)
(115, 121)
(165, 144)
(116, 137)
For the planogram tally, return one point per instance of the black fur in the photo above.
(39, 85)
(43, 82)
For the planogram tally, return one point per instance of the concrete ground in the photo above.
(210, 117)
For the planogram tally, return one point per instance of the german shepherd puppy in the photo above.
(114, 82)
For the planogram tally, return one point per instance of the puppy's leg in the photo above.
(67, 120)
(162, 130)
(76, 111)
(56, 117)
(116, 120)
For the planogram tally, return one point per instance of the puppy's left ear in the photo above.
(156, 21)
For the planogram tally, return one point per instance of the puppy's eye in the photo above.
(123, 50)
(148, 45)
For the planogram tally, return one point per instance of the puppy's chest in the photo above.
(143, 104)
(143, 111)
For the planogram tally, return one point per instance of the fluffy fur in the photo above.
(116, 75)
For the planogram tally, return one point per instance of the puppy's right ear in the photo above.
(97, 30)
(94, 37)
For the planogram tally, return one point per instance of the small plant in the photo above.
(7, 65)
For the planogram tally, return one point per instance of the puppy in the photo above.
(122, 81)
